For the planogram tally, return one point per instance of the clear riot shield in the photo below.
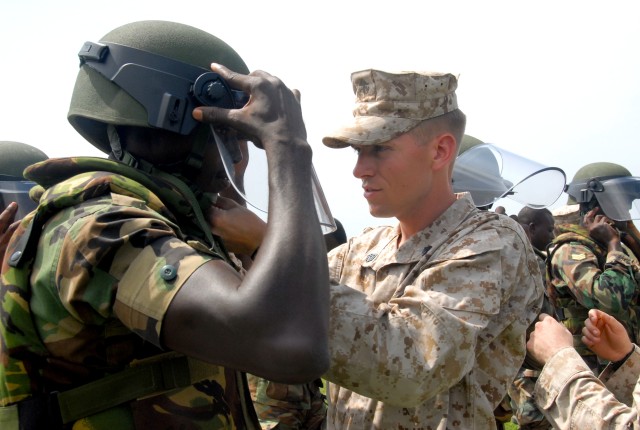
(619, 198)
(256, 188)
(490, 173)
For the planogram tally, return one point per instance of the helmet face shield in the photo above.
(17, 191)
(256, 185)
(489, 173)
(619, 198)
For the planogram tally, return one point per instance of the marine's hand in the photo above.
(606, 336)
(7, 226)
(273, 113)
(548, 338)
(240, 229)
(600, 227)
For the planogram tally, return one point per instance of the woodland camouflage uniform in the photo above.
(583, 273)
(103, 227)
(89, 275)
(582, 276)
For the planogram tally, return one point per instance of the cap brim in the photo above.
(369, 130)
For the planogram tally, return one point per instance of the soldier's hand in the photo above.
(272, 115)
(548, 338)
(240, 229)
(606, 336)
(600, 227)
(7, 226)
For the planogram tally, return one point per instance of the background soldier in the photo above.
(590, 265)
(14, 158)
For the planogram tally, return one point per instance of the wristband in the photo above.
(617, 364)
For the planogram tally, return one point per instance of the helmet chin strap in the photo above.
(193, 162)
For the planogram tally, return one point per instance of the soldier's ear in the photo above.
(445, 151)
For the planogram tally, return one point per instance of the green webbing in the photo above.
(122, 387)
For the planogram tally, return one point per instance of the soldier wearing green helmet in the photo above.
(489, 173)
(593, 265)
(120, 307)
(14, 158)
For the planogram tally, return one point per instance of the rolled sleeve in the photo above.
(151, 282)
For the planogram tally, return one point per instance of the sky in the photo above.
(553, 81)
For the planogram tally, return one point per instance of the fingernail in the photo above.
(197, 114)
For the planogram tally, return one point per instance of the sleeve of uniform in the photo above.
(151, 282)
(611, 290)
(570, 396)
(623, 382)
(423, 342)
(120, 255)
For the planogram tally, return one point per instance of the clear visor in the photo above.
(256, 184)
(489, 173)
(620, 198)
(17, 191)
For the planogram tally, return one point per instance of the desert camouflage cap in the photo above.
(390, 104)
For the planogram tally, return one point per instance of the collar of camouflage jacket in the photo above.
(164, 193)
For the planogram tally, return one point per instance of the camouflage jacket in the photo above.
(581, 275)
(525, 413)
(114, 246)
(571, 396)
(288, 406)
(429, 335)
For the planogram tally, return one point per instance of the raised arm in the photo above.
(274, 322)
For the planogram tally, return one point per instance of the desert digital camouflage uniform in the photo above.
(572, 397)
(525, 413)
(428, 336)
(288, 406)
(582, 275)
(113, 252)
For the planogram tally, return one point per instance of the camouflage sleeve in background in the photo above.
(612, 290)
(570, 395)
(287, 406)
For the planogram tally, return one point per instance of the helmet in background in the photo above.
(609, 186)
(14, 158)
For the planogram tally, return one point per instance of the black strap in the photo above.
(40, 412)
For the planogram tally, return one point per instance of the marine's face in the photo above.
(396, 175)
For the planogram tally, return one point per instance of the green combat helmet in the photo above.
(14, 158)
(152, 74)
(609, 186)
(467, 143)
(124, 79)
